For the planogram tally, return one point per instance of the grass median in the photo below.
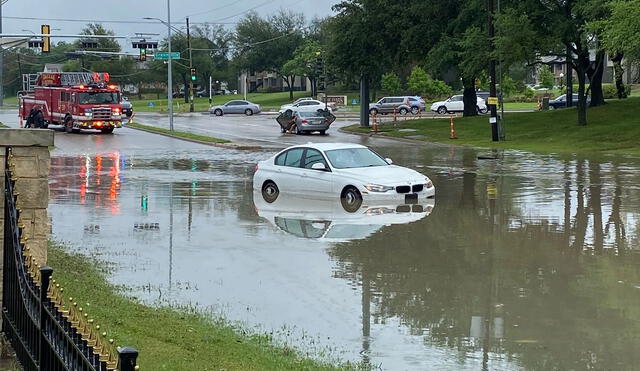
(167, 338)
(612, 127)
(178, 134)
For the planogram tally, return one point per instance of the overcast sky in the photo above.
(223, 11)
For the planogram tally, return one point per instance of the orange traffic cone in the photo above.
(452, 134)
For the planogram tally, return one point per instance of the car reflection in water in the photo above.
(327, 219)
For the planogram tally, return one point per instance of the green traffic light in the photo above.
(193, 78)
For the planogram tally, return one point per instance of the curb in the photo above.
(406, 140)
(219, 145)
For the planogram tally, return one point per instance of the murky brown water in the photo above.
(524, 262)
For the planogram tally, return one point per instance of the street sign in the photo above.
(492, 100)
(165, 55)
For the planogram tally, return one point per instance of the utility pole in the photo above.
(170, 72)
(364, 101)
(190, 67)
(495, 136)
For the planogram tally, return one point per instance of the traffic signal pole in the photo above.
(493, 120)
(190, 67)
(170, 72)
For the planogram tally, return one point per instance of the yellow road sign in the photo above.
(492, 100)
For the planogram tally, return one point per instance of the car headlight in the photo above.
(428, 184)
(377, 188)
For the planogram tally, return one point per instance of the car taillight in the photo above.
(304, 121)
(256, 168)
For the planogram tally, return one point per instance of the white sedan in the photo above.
(456, 104)
(350, 172)
(305, 104)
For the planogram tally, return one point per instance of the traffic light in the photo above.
(45, 29)
(193, 74)
(89, 44)
(143, 54)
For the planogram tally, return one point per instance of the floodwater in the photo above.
(522, 262)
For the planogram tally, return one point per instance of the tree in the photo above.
(619, 37)
(418, 81)
(546, 77)
(391, 83)
(267, 44)
(305, 63)
(104, 44)
(528, 29)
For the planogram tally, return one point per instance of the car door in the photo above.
(382, 105)
(455, 104)
(289, 174)
(318, 182)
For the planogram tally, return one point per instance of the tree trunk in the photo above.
(469, 97)
(186, 91)
(595, 80)
(140, 90)
(618, 71)
(289, 80)
(582, 98)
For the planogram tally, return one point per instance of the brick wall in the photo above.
(29, 162)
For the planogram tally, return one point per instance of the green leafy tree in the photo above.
(267, 44)
(418, 81)
(546, 77)
(391, 83)
(304, 63)
(620, 39)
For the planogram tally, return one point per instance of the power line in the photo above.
(214, 9)
(101, 20)
(244, 12)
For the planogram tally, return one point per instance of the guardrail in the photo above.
(48, 330)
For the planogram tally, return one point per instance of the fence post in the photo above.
(43, 351)
(128, 358)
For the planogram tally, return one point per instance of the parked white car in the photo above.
(455, 104)
(305, 104)
(349, 172)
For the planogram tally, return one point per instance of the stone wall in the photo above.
(29, 161)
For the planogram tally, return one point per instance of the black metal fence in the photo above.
(47, 330)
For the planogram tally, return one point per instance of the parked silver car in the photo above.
(401, 105)
(236, 106)
(127, 107)
(306, 121)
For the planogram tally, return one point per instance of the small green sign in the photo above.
(165, 55)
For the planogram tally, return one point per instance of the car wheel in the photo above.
(403, 111)
(351, 199)
(323, 132)
(552, 107)
(296, 130)
(415, 110)
(373, 111)
(218, 112)
(270, 191)
(481, 111)
(442, 110)
(248, 112)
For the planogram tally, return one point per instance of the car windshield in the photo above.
(349, 158)
(98, 98)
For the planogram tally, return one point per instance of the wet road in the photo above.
(524, 262)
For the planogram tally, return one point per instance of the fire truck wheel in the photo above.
(39, 121)
(68, 125)
(107, 131)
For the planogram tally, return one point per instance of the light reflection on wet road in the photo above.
(525, 262)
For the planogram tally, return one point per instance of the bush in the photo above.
(420, 83)
(391, 83)
(546, 77)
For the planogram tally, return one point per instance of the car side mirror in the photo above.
(319, 166)
(389, 161)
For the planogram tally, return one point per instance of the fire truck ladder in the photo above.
(75, 78)
(29, 81)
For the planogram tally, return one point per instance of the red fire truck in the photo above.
(75, 100)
